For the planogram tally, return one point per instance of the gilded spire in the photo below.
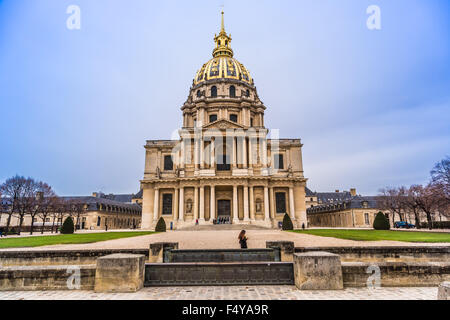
(222, 41)
(223, 25)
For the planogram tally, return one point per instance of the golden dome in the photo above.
(223, 65)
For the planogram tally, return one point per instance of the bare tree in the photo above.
(393, 200)
(427, 202)
(440, 177)
(47, 203)
(17, 190)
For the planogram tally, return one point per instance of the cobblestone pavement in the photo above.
(224, 239)
(231, 293)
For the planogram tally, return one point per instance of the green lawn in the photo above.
(376, 235)
(67, 239)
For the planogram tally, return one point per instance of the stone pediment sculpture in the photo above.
(223, 124)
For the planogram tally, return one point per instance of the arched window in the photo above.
(232, 92)
(247, 93)
(214, 92)
(199, 93)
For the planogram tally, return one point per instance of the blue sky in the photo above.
(76, 106)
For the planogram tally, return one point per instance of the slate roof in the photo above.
(346, 202)
(93, 203)
(139, 194)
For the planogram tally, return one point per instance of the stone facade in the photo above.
(223, 167)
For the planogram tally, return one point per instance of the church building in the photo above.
(224, 168)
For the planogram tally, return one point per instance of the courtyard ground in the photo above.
(231, 293)
(224, 239)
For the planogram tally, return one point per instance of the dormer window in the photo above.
(234, 118)
(232, 92)
(214, 92)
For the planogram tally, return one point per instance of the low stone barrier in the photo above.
(219, 274)
(318, 271)
(225, 255)
(29, 278)
(386, 254)
(286, 249)
(444, 291)
(120, 272)
(395, 274)
(59, 257)
(157, 252)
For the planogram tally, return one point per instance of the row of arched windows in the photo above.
(232, 92)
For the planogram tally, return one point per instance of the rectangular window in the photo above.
(213, 117)
(280, 201)
(234, 117)
(224, 164)
(366, 218)
(167, 203)
(278, 161)
(251, 122)
(168, 163)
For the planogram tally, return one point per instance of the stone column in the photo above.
(195, 203)
(250, 152)
(291, 204)
(244, 152)
(147, 207)
(196, 160)
(175, 209)
(181, 205)
(202, 204)
(212, 205)
(252, 205)
(213, 153)
(182, 153)
(202, 153)
(235, 205)
(156, 205)
(272, 203)
(234, 152)
(264, 152)
(246, 208)
(266, 205)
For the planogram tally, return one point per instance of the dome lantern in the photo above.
(223, 40)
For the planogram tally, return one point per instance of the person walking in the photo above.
(242, 240)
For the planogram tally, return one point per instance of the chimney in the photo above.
(95, 194)
(353, 192)
(337, 191)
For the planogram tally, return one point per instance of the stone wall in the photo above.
(28, 278)
(59, 257)
(385, 254)
(396, 274)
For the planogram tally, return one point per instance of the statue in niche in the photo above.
(189, 206)
(258, 205)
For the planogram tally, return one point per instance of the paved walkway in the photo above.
(224, 239)
(231, 293)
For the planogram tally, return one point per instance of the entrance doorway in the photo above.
(224, 208)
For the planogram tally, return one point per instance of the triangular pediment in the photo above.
(223, 124)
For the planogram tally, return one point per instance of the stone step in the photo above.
(223, 227)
